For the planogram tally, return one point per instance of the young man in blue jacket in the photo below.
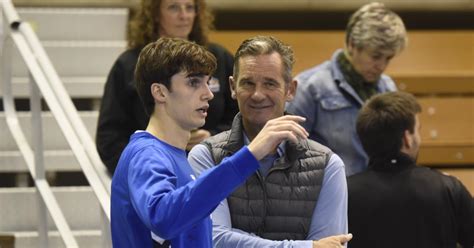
(154, 189)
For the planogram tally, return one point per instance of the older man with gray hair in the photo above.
(298, 196)
(330, 95)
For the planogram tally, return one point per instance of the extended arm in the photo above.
(168, 210)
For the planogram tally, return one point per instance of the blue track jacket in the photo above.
(154, 189)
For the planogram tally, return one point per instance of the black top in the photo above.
(122, 112)
(398, 204)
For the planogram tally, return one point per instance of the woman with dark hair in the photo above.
(121, 111)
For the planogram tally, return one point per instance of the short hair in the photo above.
(382, 121)
(376, 27)
(265, 45)
(145, 24)
(160, 60)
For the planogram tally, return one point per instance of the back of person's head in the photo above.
(376, 27)
(383, 120)
(145, 24)
(160, 60)
(265, 45)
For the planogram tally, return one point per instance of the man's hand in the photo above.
(337, 241)
(197, 136)
(275, 131)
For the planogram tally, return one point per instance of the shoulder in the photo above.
(127, 60)
(315, 146)
(129, 55)
(218, 140)
(359, 181)
(314, 149)
(318, 80)
(218, 51)
(386, 84)
(314, 74)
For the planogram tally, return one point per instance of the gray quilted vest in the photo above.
(279, 206)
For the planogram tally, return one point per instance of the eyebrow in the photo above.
(265, 79)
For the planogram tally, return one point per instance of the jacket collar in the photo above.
(397, 162)
(291, 151)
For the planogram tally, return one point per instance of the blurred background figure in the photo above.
(121, 111)
(330, 95)
(396, 203)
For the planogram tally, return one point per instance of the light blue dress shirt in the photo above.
(329, 216)
(330, 106)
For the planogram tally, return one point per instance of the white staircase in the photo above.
(82, 44)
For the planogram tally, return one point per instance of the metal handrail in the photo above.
(17, 133)
(66, 102)
(63, 110)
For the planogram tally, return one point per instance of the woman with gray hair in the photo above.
(330, 95)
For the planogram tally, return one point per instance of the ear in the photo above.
(232, 85)
(407, 141)
(291, 90)
(159, 92)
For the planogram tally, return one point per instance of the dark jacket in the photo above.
(398, 204)
(122, 112)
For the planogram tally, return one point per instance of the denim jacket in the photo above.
(330, 106)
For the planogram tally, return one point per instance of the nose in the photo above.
(184, 11)
(258, 95)
(381, 64)
(208, 95)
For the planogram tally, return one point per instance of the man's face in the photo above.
(187, 101)
(370, 63)
(177, 18)
(260, 90)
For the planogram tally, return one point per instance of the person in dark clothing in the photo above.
(396, 203)
(121, 112)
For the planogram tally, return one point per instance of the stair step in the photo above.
(75, 58)
(18, 209)
(77, 87)
(53, 138)
(77, 23)
(84, 238)
(54, 160)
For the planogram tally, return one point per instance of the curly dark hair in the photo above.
(144, 25)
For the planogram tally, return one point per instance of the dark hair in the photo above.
(383, 120)
(260, 45)
(160, 60)
(145, 23)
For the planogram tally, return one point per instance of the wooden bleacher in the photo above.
(437, 66)
(431, 59)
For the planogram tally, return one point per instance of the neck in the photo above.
(251, 132)
(168, 131)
